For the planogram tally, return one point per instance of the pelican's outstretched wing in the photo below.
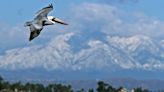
(34, 32)
(44, 12)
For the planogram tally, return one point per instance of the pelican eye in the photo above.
(53, 19)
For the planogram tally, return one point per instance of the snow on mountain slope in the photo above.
(141, 48)
(131, 44)
(136, 52)
(58, 55)
(50, 56)
(100, 55)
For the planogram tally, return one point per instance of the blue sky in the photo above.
(18, 11)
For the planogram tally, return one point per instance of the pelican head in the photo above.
(56, 20)
(51, 18)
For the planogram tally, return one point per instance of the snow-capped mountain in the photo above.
(142, 49)
(135, 52)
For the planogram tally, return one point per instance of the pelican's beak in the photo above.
(59, 21)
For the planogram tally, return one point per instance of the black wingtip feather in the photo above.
(49, 6)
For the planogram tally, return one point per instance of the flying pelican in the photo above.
(42, 20)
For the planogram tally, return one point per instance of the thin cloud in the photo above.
(117, 1)
(113, 21)
(12, 36)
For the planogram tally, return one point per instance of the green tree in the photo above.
(16, 85)
(81, 90)
(58, 88)
(39, 87)
(145, 90)
(30, 87)
(101, 86)
(140, 90)
(111, 89)
(6, 85)
(91, 90)
(1, 79)
(1, 83)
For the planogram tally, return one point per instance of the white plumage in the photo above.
(42, 20)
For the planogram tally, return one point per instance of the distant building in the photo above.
(132, 90)
(123, 90)
(16, 90)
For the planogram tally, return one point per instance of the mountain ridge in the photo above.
(143, 54)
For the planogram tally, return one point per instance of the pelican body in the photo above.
(42, 19)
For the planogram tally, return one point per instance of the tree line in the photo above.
(5, 86)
